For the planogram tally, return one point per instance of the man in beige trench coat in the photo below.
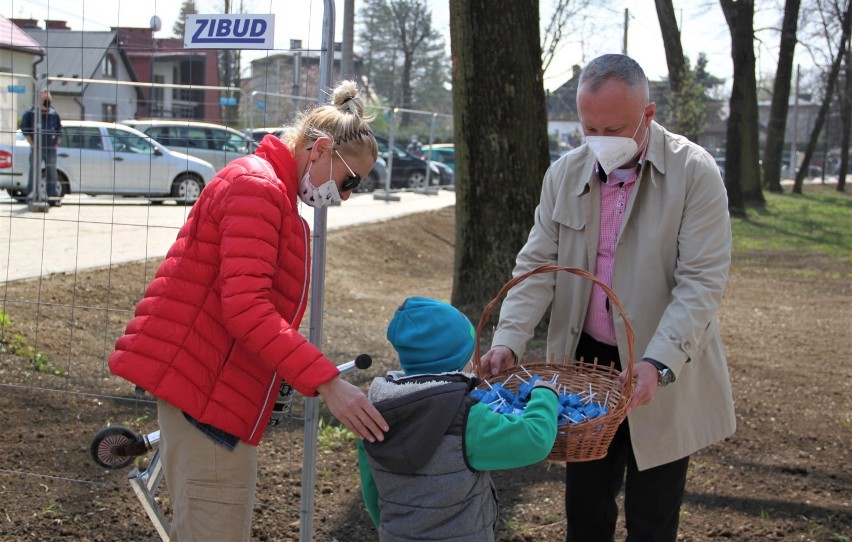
(646, 211)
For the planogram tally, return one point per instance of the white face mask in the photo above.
(613, 151)
(317, 196)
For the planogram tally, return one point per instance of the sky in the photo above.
(703, 28)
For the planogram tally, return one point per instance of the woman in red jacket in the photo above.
(217, 329)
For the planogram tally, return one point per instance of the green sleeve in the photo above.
(368, 485)
(503, 441)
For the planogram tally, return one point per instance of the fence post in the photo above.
(306, 512)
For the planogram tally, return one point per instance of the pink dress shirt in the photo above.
(615, 193)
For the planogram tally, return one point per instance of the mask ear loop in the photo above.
(305, 191)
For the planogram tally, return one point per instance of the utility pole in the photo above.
(347, 67)
(626, 18)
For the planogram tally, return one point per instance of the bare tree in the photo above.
(777, 125)
(846, 120)
(742, 172)
(844, 15)
(565, 20)
(671, 43)
(401, 48)
(501, 140)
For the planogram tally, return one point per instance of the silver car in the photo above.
(98, 158)
(214, 143)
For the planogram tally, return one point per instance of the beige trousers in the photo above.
(211, 488)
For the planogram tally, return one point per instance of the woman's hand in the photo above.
(348, 404)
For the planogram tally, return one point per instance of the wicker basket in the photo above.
(590, 439)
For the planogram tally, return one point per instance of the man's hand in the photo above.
(496, 359)
(645, 378)
(349, 405)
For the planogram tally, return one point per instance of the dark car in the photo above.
(409, 171)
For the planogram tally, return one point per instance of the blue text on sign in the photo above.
(229, 31)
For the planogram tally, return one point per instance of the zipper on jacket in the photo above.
(299, 309)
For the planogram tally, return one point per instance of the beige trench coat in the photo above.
(671, 266)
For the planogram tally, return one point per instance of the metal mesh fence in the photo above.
(71, 278)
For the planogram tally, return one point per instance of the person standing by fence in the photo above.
(51, 137)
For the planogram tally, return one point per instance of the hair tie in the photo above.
(350, 103)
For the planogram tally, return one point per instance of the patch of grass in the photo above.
(18, 345)
(818, 220)
(5, 321)
(332, 436)
(830, 529)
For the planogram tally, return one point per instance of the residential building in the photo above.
(91, 56)
(563, 123)
(165, 61)
(18, 54)
(283, 83)
(131, 55)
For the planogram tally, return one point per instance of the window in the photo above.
(157, 96)
(83, 137)
(109, 66)
(123, 141)
(108, 112)
(224, 140)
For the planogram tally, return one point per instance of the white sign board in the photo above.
(218, 31)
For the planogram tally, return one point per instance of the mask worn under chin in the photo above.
(317, 196)
(612, 151)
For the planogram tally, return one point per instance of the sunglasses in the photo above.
(352, 181)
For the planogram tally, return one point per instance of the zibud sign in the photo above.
(219, 31)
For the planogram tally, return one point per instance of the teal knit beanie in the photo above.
(431, 337)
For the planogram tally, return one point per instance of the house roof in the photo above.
(12, 37)
(78, 54)
(562, 102)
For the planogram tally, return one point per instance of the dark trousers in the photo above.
(48, 156)
(652, 498)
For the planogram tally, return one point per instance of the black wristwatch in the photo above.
(665, 376)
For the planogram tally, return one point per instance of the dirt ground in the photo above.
(785, 475)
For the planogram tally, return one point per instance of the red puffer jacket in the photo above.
(218, 326)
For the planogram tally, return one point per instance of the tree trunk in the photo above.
(742, 172)
(829, 94)
(780, 99)
(846, 122)
(671, 43)
(501, 140)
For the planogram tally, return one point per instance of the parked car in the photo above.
(257, 134)
(813, 171)
(446, 174)
(104, 158)
(441, 152)
(720, 163)
(214, 143)
(376, 178)
(409, 171)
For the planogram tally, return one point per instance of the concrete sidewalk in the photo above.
(89, 232)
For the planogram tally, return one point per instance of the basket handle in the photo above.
(483, 320)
